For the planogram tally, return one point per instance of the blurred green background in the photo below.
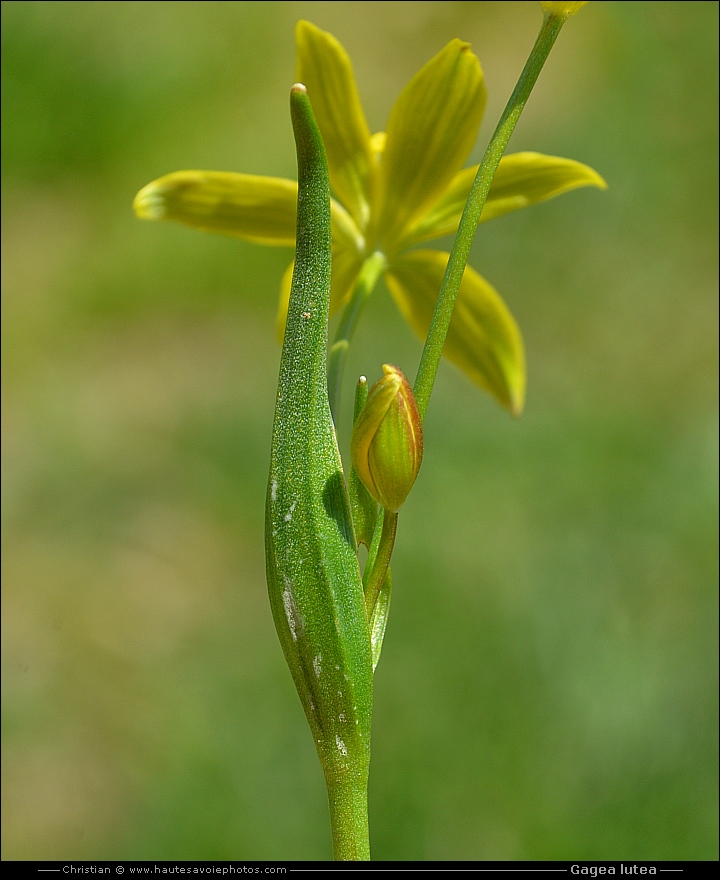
(548, 687)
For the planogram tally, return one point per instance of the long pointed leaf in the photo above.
(312, 570)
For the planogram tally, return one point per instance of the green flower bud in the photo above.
(387, 441)
(564, 9)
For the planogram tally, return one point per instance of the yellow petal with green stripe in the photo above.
(346, 267)
(283, 304)
(483, 340)
(259, 209)
(430, 133)
(325, 69)
(247, 206)
(522, 179)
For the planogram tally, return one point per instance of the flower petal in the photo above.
(324, 67)
(247, 206)
(484, 340)
(259, 209)
(522, 179)
(346, 265)
(430, 133)
(281, 317)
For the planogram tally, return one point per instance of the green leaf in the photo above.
(377, 579)
(313, 577)
(379, 620)
(345, 270)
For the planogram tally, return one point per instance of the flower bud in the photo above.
(387, 442)
(565, 9)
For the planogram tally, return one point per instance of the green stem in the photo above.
(381, 561)
(435, 341)
(347, 798)
(371, 271)
(363, 506)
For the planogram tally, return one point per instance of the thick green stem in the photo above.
(381, 560)
(435, 341)
(371, 271)
(347, 798)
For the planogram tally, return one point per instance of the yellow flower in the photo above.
(393, 191)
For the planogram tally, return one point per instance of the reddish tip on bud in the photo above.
(387, 441)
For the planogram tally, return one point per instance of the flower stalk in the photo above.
(440, 324)
(347, 798)
(372, 269)
(378, 565)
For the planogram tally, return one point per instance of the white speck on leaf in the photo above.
(290, 609)
(316, 665)
(273, 491)
(288, 515)
(342, 748)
